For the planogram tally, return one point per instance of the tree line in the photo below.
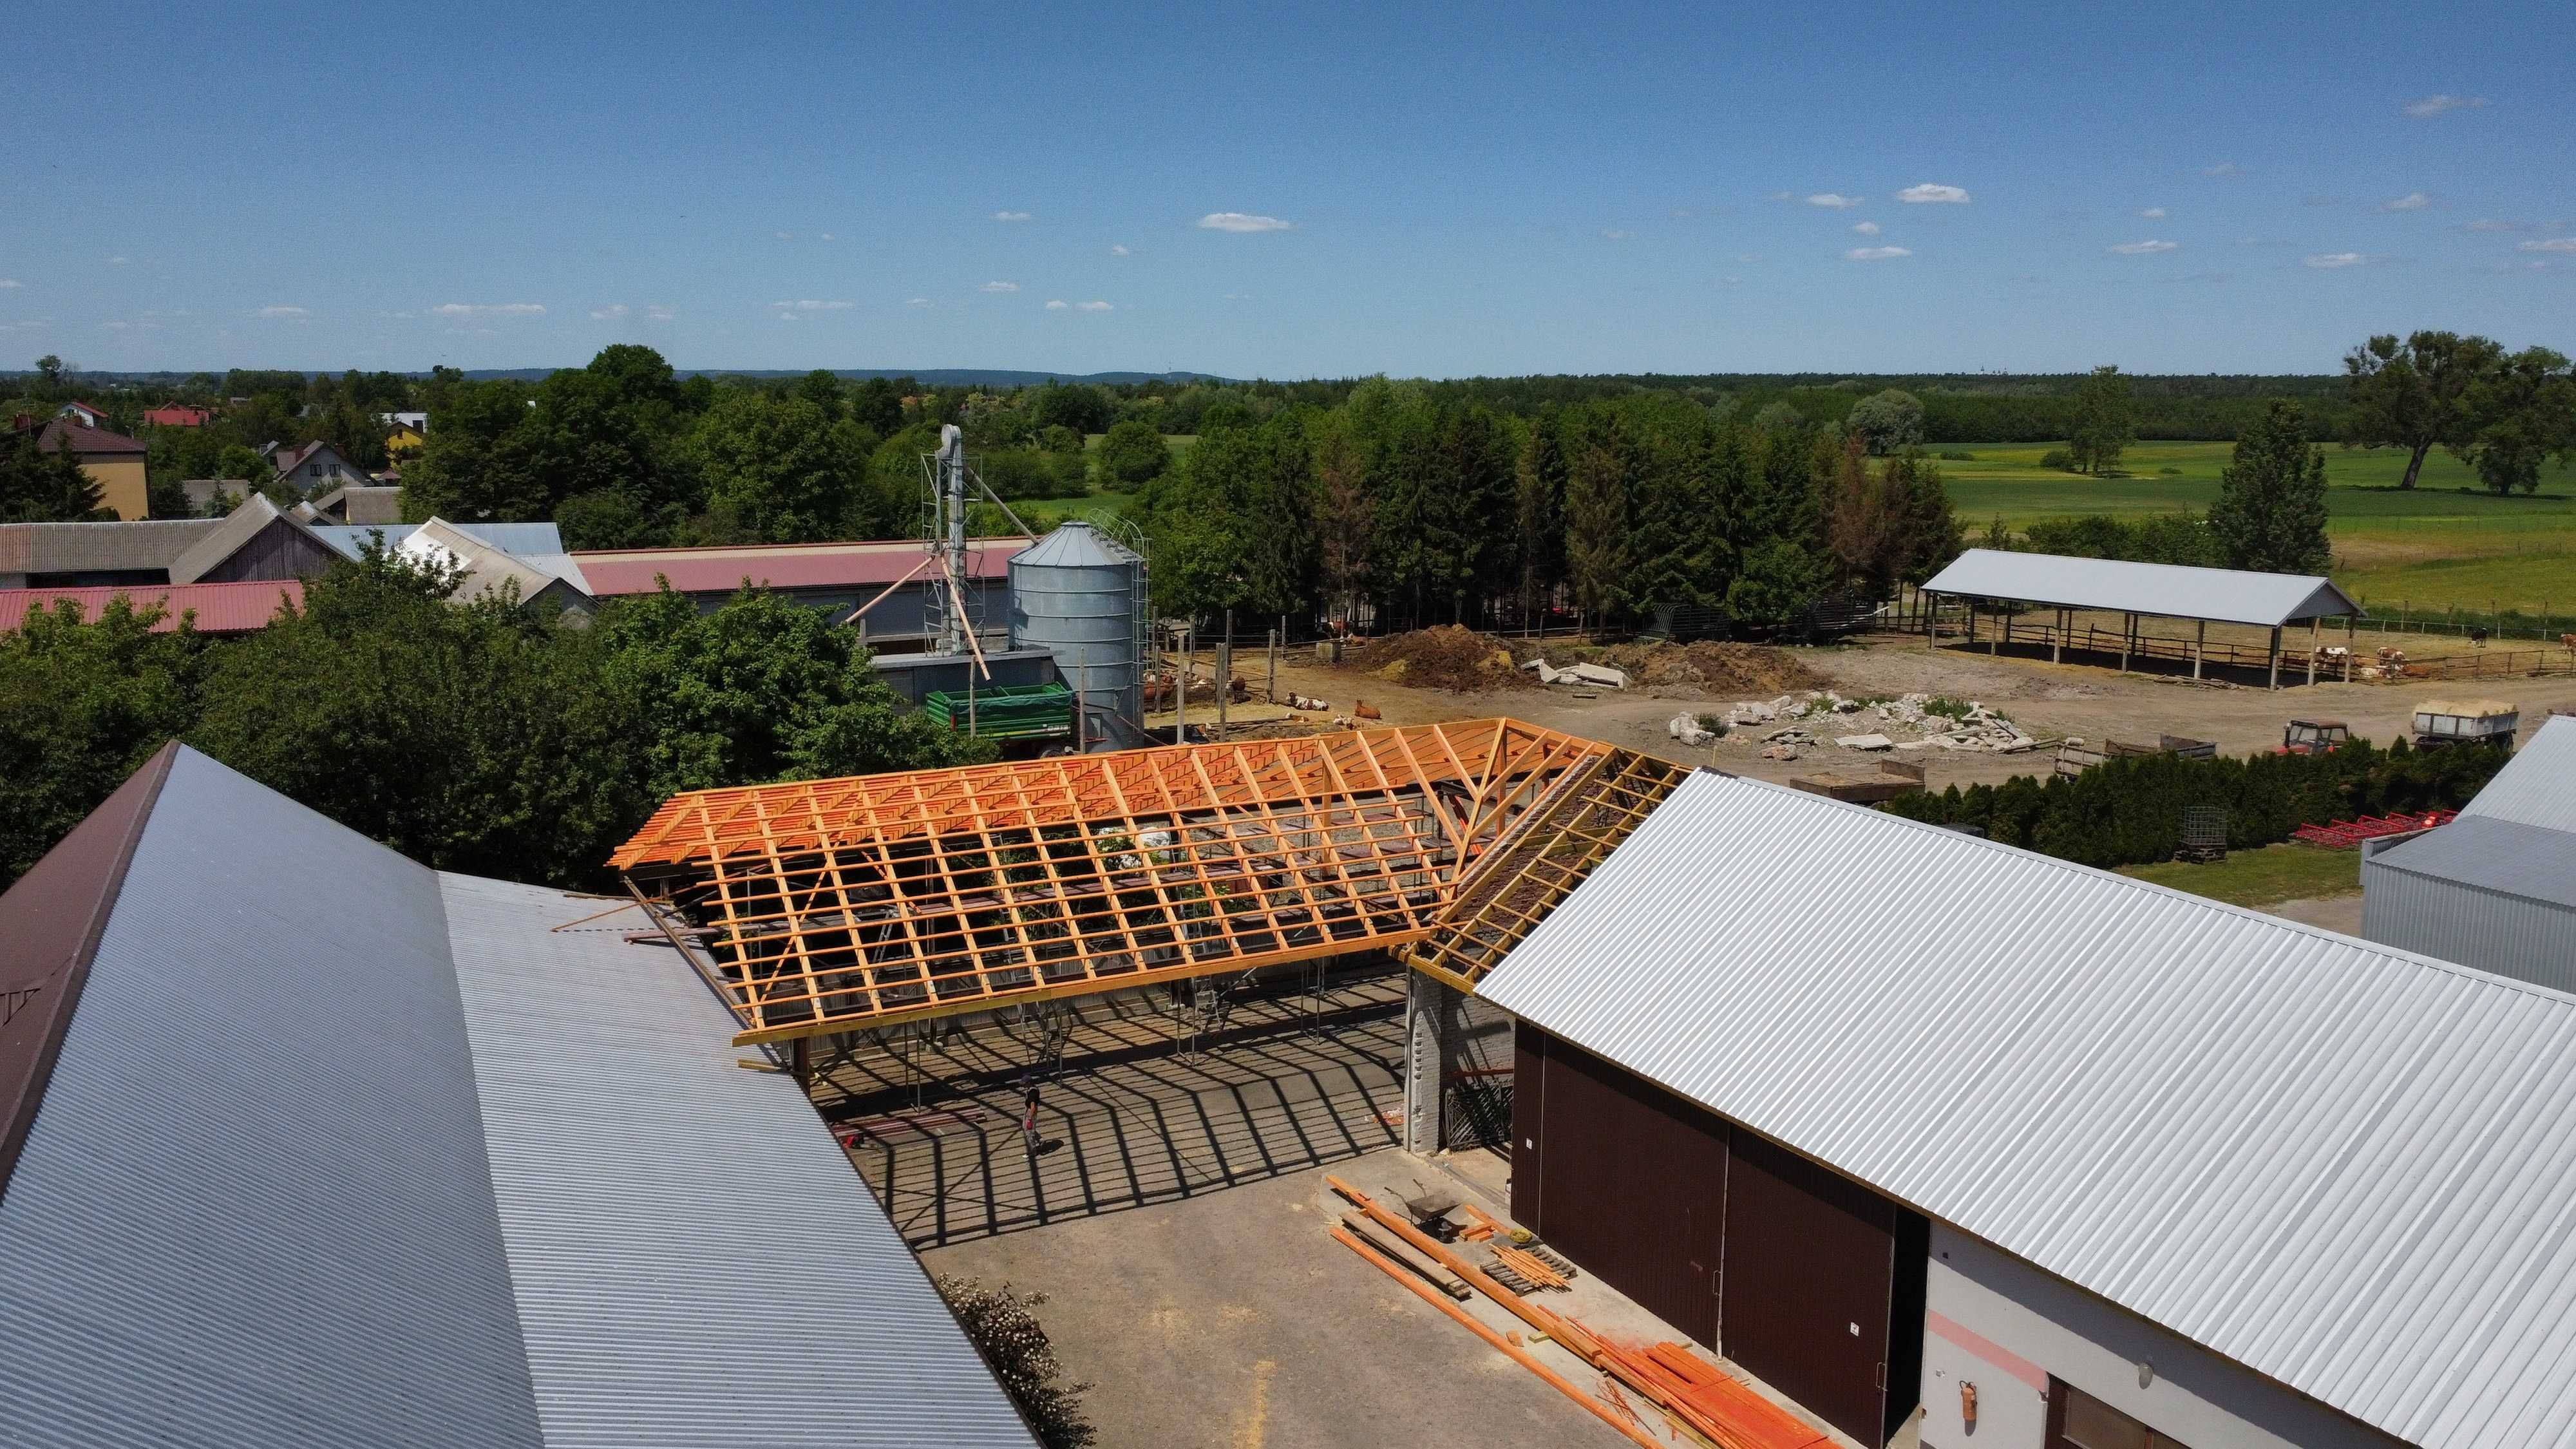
(479, 737)
(1431, 507)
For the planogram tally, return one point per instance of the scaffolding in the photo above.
(831, 906)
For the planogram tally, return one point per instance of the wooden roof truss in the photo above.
(840, 905)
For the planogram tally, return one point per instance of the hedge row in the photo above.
(2129, 811)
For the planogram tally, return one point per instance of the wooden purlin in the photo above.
(1539, 862)
(842, 904)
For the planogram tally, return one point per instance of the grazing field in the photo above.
(2290, 871)
(2447, 543)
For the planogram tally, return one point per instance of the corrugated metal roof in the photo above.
(236, 608)
(1076, 544)
(2495, 854)
(2538, 785)
(254, 1207)
(2172, 590)
(486, 567)
(664, 1209)
(72, 548)
(413, 1168)
(2349, 1168)
(255, 515)
(778, 566)
(526, 540)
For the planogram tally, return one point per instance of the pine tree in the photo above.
(2271, 508)
(1596, 513)
(1539, 511)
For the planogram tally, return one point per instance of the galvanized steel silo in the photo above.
(1080, 595)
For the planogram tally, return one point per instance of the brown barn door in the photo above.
(1631, 1183)
(1810, 1273)
(1529, 1107)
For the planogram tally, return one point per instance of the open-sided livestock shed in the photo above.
(2140, 590)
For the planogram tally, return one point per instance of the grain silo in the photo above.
(1080, 595)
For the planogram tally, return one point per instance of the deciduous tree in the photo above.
(2416, 394)
(2106, 421)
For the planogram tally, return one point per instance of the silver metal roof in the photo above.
(1074, 543)
(253, 1208)
(413, 1168)
(527, 540)
(2538, 785)
(2493, 854)
(696, 1260)
(2346, 1167)
(2170, 590)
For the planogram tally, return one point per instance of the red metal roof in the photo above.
(238, 608)
(778, 565)
(176, 415)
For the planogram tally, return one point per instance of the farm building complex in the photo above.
(1941, 1139)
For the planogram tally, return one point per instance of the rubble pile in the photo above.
(1974, 728)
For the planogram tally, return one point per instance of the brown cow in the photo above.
(1362, 709)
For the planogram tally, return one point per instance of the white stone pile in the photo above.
(1979, 728)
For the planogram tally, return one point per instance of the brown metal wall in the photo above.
(1816, 1281)
(1810, 1272)
(1653, 1236)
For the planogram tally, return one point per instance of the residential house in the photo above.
(176, 415)
(88, 415)
(258, 541)
(112, 460)
(402, 439)
(314, 467)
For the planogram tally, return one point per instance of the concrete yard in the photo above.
(1232, 1319)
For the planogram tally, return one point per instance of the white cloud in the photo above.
(787, 317)
(1834, 200)
(1866, 228)
(120, 261)
(282, 312)
(660, 313)
(1000, 287)
(2490, 224)
(1780, 196)
(1118, 249)
(918, 302)
(6, 282)
(812, 304)
(490, 309)
(1238, 296)
(1930, 191)
(609, 313)
(2153, 213)
(2565, 245)
(827, 236)
(1615, 235)
(1012, 216)
(1681, 213)
(1057, 306)
(1095, 307)
(2144, 248)
(1239, 221)
(2333, 261)
(2435, 105)
(2411, 201)
(1875, 254)
(784, 235)
(2222, 168)
(1731, 281)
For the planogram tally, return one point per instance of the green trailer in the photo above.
(1012, 712)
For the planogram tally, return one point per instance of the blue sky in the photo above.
(1479, 189)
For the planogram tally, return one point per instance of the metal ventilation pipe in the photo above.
(952, 494)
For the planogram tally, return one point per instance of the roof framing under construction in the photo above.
(839, 905)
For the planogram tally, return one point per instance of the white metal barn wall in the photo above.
(1993, 1320)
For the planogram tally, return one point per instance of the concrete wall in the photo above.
(1448, 1032)
(2490, 930)
(1996, 1321)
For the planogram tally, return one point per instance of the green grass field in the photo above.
(2291, 871)
(2437, 546)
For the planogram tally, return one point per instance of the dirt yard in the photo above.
(2046, 700)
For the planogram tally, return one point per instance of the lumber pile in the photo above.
(1696, 1396)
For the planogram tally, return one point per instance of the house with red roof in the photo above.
(176, 415)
